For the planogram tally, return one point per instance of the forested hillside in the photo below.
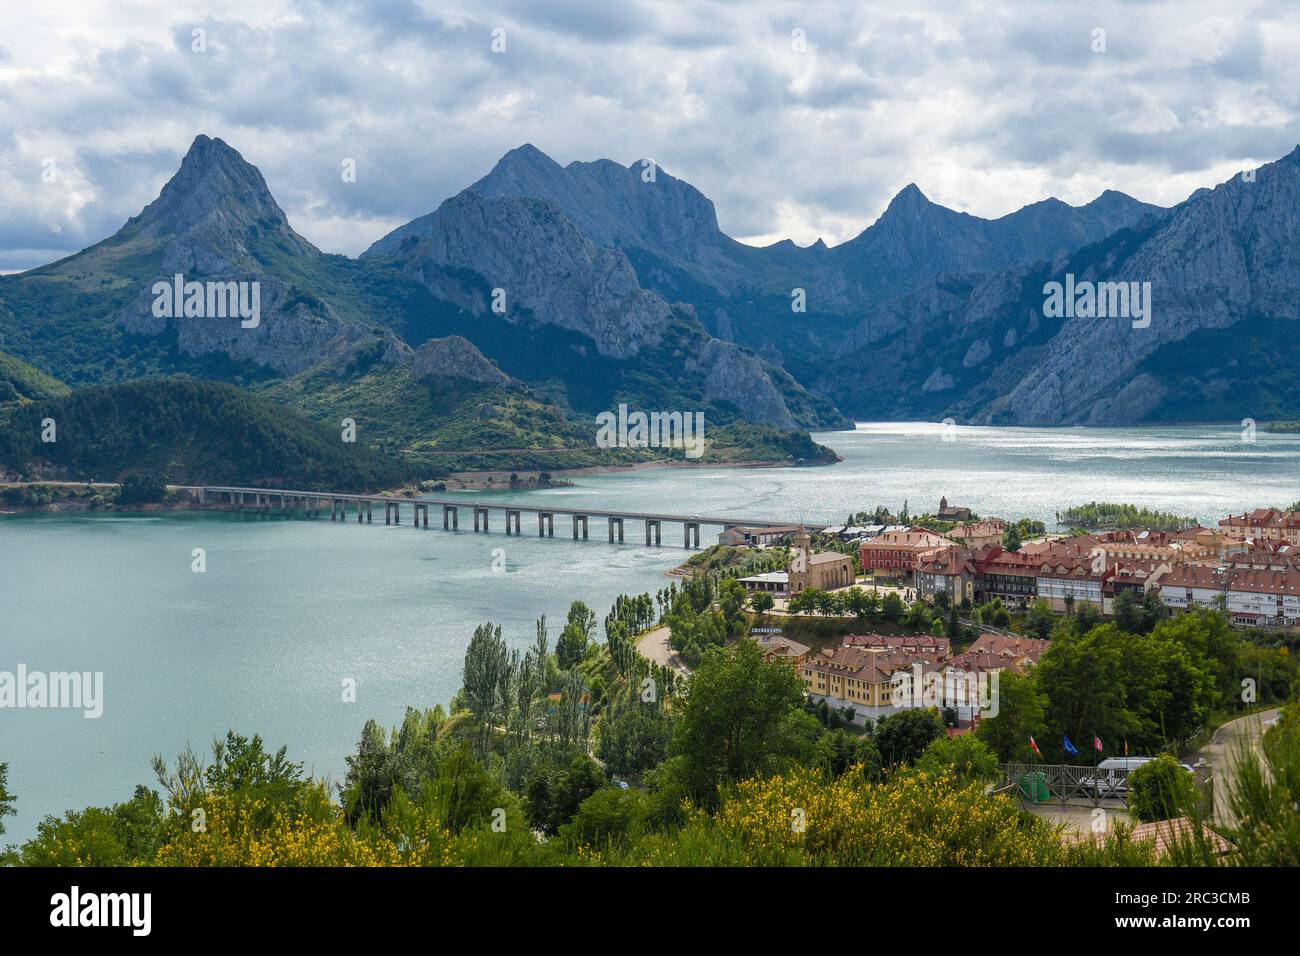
(188, 432)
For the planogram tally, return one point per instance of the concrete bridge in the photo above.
(313, 503)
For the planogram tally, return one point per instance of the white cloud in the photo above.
(986, 109)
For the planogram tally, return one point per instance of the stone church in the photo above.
(823, 571)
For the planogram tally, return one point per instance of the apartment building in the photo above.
(1251, 598)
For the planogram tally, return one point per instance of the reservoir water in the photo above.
(289, 609)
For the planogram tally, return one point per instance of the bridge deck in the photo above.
(510, 506)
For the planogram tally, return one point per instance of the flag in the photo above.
(1034, 744)
(1070, 748)
(1096, 744)
(1126, 748)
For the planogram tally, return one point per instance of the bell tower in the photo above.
(798, 575)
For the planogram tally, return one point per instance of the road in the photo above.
(653, 646)
(1244, 732)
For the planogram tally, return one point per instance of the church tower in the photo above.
(798, 576)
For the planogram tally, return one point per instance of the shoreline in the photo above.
(528, 480)
(478, 480)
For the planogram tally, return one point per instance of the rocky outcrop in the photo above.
(938, 381)
(739, 379)
(537, 265)
(454, 357)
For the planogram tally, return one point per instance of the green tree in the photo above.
(731, 601)
(761, 602)
(1011, 538)
(7, 799)
(953, 629)
(608, 816)
(838, 751)
(486, 667)
(1085, 679)
(967, 756)
(634, 739)
(1039, 619)
(917, 619)
(733, 712)
(120, 835)
(578, 630)
(1021, 714)
(903, 736)
(1160, 790)
(1128, 612)
(465, 794)
(553, 794)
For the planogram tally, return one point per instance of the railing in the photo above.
(1065, 783)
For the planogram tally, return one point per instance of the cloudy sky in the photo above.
(798, 120)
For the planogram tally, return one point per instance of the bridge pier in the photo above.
(576, 519)
(395, 509)
(512, 516)
(687, 528)
(367, 506)
(419, 511)
(484, 512)
(615, 521)
(454, 513)
(651, 523)
(545, 524)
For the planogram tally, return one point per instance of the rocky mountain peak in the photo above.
(640, 205)
(214, 180)
(910, 203)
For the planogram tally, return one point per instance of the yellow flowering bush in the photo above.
(917, 819)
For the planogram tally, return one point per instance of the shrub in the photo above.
(1160, 790)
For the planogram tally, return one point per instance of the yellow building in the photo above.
(853, 675)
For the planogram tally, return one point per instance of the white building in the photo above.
(1251, 597)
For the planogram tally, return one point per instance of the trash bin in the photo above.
(1033, 787)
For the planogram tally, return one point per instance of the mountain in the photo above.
(606, 338)
(406, 340)
(930, 313)
(915, 239)
(1220, 344)
(669, 232)
(549, 293)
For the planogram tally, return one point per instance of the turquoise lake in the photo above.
(290, 608)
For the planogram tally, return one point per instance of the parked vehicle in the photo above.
(1111, 775)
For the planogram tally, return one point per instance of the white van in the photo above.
(1111, 775)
